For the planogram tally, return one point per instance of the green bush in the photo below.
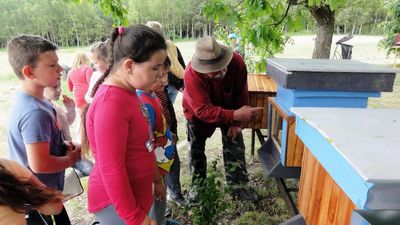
(210, 201)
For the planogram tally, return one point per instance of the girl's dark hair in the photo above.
(23, 195)
(137, 42)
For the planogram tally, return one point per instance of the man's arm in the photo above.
(197, 100)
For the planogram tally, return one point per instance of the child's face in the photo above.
(46, 72)
(100, 65)
(144, 74)
(161, 80)
(53, 93)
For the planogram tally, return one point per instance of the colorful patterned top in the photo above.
(162, 138)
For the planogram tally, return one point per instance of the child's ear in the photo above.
(27, 72)
(129, 64)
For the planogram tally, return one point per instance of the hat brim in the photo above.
(202, 67)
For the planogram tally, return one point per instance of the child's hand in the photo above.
(74, 153)
(68, 102)
(159, 191)
(148, 221)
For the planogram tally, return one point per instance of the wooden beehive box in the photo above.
(260, 86)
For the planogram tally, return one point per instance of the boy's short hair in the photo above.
(25, 49)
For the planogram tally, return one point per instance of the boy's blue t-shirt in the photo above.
(31, 121)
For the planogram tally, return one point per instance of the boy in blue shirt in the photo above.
(34, 137)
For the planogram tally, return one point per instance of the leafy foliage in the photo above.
(392, 25)
(262, 24)
(210, 203)
(116, 9)
(65, 23)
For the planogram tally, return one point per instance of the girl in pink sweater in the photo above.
(79, 78)
(121, 183)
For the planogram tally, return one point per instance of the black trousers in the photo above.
(233, 153)
(36, 218)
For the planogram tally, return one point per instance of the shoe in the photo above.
(168, 212)
(246, 194)
(172, 222)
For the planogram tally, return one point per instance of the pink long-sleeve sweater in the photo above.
(123, 173)
(78, 83)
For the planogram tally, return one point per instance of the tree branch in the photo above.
(286, 13)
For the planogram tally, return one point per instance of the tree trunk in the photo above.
(193, 34)
(375, 22)
(86, 29)
(325, 18)
(73, 23)
(360, 30)
(180, 27)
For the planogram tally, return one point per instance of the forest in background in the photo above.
(68, 23)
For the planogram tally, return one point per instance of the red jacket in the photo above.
(209, 103)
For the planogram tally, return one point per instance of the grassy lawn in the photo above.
(272, 209)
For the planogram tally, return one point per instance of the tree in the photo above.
(391, 26)
(261, 23)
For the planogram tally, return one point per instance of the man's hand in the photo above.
(246, 113)
(234, 131)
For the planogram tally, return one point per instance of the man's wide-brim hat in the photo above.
(210, 56)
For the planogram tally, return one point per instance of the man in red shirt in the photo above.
(216, 95)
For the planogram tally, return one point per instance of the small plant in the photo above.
(210, 202)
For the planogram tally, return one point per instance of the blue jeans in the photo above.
(108, 215)
(172, 92)
(173, 178)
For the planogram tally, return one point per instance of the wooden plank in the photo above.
(321, 201)
(291, 144)
(252, 102)
(303, 196)
(260, 103)
(260, 86)
(261, 83)
(251, 85)
(298, 155)
(333, 205)
(264, 120)
(281, 112)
